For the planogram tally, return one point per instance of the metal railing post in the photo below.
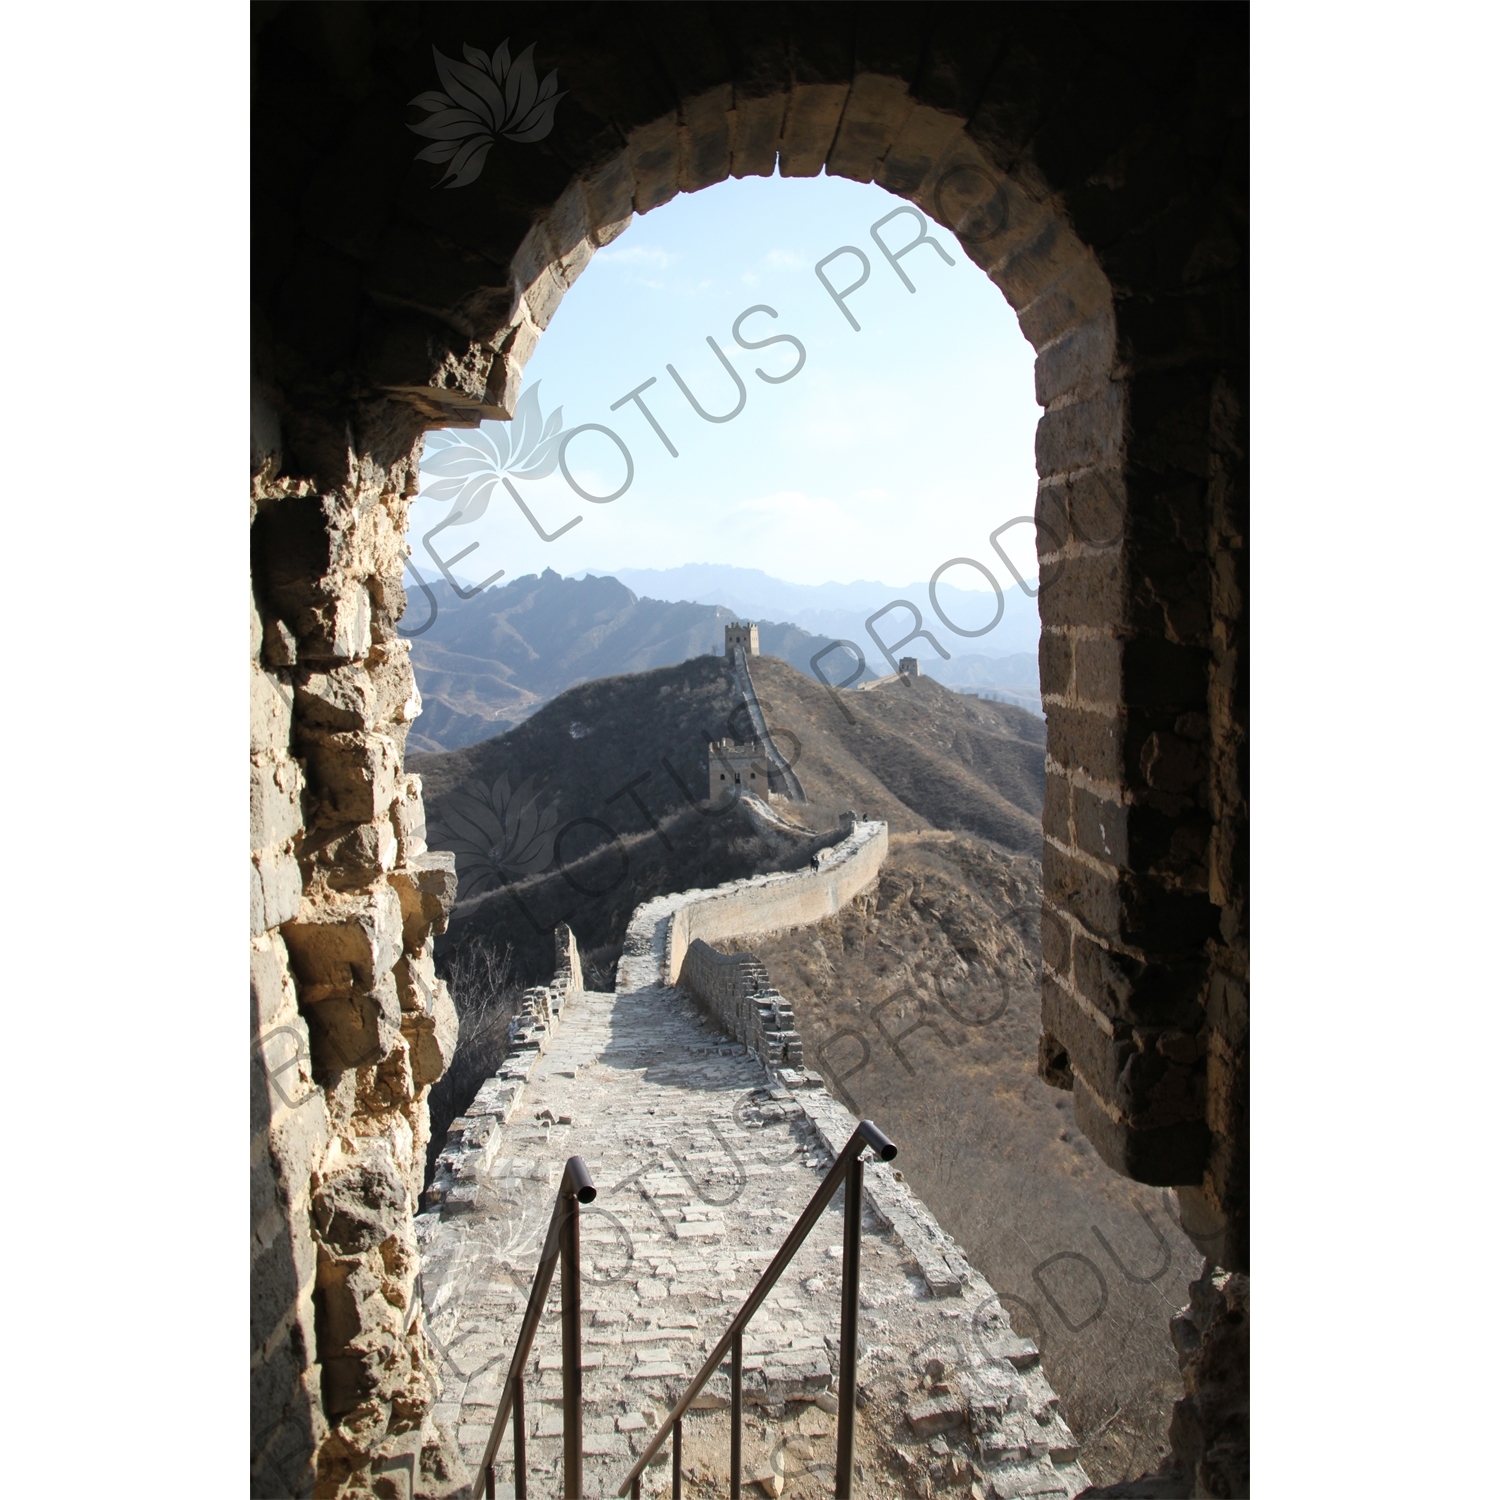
(518, 1429)
(572, 1355)
(736, 1366)
(676, 1461)
(854, 1183)
(561, 1243)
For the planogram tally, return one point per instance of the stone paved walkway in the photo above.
(703, 1161)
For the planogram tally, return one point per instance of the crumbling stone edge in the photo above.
(474, 1137)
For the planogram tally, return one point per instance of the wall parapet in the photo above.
(764, 904)
(474, 1137)
(739, 992)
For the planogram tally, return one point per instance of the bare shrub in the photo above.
(486, 995)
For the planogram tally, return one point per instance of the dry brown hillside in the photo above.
(911, 752)
(919, 1004)
(595, 803)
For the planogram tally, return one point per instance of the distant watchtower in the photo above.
(746, 635)
(735, 768)
(909, 666)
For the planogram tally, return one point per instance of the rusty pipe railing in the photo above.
(561, 1243)
(849, 1171)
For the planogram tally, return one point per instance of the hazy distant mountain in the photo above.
(839, 610)
(487, 664)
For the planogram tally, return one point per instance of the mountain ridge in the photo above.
(486, 664)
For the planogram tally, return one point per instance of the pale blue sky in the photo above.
(893, 448)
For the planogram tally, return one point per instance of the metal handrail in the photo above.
(562, 1241)
(849, 1171)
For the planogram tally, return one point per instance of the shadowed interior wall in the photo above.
(1094, 161)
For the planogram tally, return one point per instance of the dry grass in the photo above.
(920, 1004)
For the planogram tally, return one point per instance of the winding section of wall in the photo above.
(780, 766)
(767, 903)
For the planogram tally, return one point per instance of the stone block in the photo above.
(757, 129)
(1057, 940)
(345, 944)
(812, 118)
(432, 1037)
(1097, 664)
(1047, 254)
(944, 1414)
(1100, 828)
(278, 644)
(275, 890)
(341, 698)
(351, 857)
(1055, 663)
(359, 1209)
(273, 997)
(1096, 500)
(354, 1030)
(876, 110)
(297, 1139)
(544, 296)
(654, 152)
(337, 629)
(355, 774)
(409, 819)
(275, 802)
(1082, 357)
(417, 981)
(610, 193)
(1086, 740)
(1072, 299)
(1091, 1048)
(706, 156)
(1086, 589)
(926, 136)
(270, 713)
(426, 888)
(1162, 1157)
(1057, 808)
(1086, 432)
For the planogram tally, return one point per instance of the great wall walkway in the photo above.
(703, 1159)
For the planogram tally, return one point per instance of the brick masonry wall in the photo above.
(1094, 161)
(774, 903)
(736, 988)
(350, 1025)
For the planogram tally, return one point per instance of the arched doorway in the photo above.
(1095, 169)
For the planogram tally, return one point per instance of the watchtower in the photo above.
(733, 769)
(746, 635)
(909, 666)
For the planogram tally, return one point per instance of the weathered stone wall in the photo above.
(739, 992)
(773, 903)
(782, 779)
(350, 1024)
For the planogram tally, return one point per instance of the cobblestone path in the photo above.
(703, 1161)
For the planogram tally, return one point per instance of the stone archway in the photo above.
(1095, 169)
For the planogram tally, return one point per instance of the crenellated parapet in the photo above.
(739, 992)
